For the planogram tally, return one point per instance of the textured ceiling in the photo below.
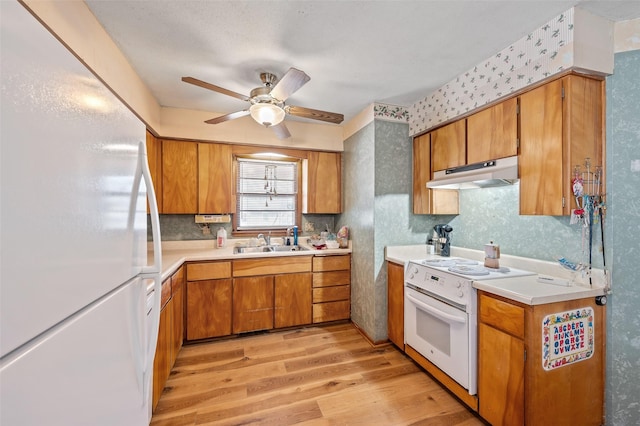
(356, 52)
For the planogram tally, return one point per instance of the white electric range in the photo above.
(441, 312)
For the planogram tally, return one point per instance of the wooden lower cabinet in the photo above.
(252, 303)
(169, 332)
(209, 296)
(395, 304)
(208, 308)
(177, 325)
(500, 376)
(161, 365)
(331, 288)
(251, 294)
(513, 386)
(292, 300)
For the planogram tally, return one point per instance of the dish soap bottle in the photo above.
(222, 237)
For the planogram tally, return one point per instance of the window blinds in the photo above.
(266, 194)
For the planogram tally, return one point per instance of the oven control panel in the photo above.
(441, 284)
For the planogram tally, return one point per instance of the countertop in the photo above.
(175, 253)
(526, 289)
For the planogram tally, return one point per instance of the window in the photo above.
(267, 194)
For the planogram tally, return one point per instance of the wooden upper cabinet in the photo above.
(154, 157)
(493, 133)
(584, 115)
(540, 160)
(214, 179)
(179, 177)
(448, 146)
(558, 132)
(425, 200)
(322, 183)
(421, 173)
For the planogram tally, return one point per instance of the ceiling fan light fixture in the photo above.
(267, 114)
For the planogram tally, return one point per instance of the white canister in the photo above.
(222, 237)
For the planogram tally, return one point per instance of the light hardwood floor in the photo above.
(327, 375)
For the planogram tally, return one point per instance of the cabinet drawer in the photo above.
(271, 266)
(208, 271)
(324, 279)
(331, 294)
(331, 263)
(331, 311)
(502, 315)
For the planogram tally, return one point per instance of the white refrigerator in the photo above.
(79, 302)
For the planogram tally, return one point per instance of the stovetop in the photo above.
(471, 269)
(451, 279)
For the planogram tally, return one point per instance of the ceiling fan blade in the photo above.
(227, 117)
(314, 114)
(213, 87)
(281, 131)
(289, 83)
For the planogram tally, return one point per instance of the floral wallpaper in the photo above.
(390, 113)
(540, 54)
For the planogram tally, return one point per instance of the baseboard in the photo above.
(369, 339)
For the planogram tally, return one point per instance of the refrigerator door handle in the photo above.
(156, 267)
(151, 272)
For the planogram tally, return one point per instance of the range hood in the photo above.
(500, 172)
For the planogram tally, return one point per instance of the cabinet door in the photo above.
(395, 300)
(214, 178)
(421, 174)
(493, 133)
(540, 160)
(292, 300)
(154, 156)
(448, 146)
(179, 177)
(583, 116)
(322, 182)
(161, 365)
(252, 303)
(500, 377)
(177, 326)
(425, 200)
(208, 308)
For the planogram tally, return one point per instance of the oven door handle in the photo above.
(436, 311)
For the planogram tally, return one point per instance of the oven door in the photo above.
(440, 333)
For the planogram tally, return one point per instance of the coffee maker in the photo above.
(443, 241)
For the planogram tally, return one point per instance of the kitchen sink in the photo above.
(267, 249)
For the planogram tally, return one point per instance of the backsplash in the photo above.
(491, 214)
(179, 227)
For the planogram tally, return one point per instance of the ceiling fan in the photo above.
(268, 102)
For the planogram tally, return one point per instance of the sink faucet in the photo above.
(267, 239)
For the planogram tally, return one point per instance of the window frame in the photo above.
(268, 154)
